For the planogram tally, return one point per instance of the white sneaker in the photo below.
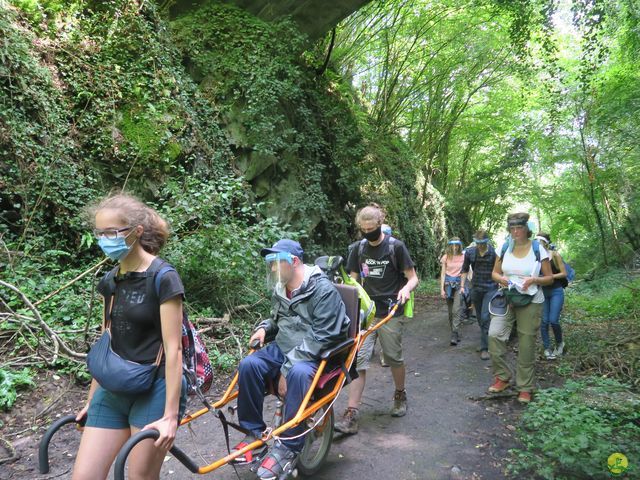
(559, 351)
(549, 355)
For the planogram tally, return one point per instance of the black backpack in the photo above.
(391, 252)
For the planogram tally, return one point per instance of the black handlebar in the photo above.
(43, 447)
(121, 459)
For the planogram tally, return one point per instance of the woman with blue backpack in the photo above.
(450, 287)
(553, 301)
(137, 364)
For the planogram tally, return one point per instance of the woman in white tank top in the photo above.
(519, 269)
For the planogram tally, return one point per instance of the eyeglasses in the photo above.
(109, 233)
(272, 257)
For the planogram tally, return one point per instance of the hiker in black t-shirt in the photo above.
(388, 275)
(145, 325)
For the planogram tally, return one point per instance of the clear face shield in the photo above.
(279, 270)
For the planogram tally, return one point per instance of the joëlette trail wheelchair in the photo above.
(316, 411)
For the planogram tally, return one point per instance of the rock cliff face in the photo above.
(313, 17)
(121, 94)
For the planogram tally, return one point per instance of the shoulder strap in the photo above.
(165, 267)
(108, 302)
(473, 254)
(361, 249)
(392, 251)
(535, 244)
(158, 277)
(505, 247)
(110, 279)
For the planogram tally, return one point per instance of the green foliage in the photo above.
(570, 432)
(34, 140)
(243, 65)
(219, 235)
(429, 286)
(10, 382)
(41, 12)
(225, 361)
(303, 139)
(441, 94)
(75, 313)
(109, 104)
(607, 300)
(602, 320)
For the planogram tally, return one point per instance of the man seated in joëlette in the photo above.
(307, 318)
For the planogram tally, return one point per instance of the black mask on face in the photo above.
(373, 235)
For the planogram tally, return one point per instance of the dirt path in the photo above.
(443, 427)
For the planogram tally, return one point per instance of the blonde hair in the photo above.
(372, 212)
(481, 234)
(555, 256)
(453, 250)
(133, 212)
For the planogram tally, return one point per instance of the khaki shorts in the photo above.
(390, 336)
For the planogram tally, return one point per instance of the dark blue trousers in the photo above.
(480, 299)
(254, 372)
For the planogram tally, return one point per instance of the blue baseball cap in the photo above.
(284, 245)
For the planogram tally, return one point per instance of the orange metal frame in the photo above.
(305, 410)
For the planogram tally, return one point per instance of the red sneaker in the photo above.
(249, 456)
(524, 397)
(498, 386)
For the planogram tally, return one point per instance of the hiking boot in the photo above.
(549, 355)
(559, 351)
(249, 456)
(279, 460)
(484, 355)
(455, 338)
(498, 386)
(349, 422)
(524, 397)
(399, 404)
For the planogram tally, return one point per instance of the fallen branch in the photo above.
(240, 349)
(58, 343)
(9, 447)
(494, 396)
(48, 408)
(71, 282)
(214, 320)
(245, 307)
(18, 361)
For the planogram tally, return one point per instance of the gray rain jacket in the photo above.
(313, 321)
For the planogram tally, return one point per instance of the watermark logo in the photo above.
(617, 463)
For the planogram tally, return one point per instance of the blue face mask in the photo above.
(114, 248)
